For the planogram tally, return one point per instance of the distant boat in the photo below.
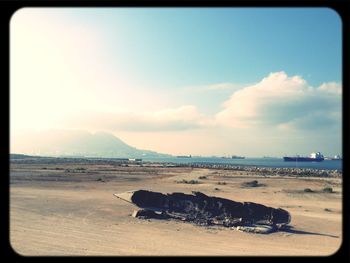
(237, 157)
(336, 158)
(314, 157)
(184, 156)
(135, 160)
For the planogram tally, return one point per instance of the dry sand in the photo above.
(57, 209)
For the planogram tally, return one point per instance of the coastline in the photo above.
(258, 169)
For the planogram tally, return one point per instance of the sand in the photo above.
(69, 209)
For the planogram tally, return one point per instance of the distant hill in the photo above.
(20, 156)
(64, 143)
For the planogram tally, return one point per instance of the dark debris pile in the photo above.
(207, 210)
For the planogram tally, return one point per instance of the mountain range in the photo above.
(77, 143)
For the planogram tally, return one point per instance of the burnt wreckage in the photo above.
(207, 210)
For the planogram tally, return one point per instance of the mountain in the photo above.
(77, 143)
(21, 156)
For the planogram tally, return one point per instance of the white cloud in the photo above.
(278, 101)
(216, 87)
(224, 86)
(331, 87)
(173, 119)
(284, 102)
(274, 113)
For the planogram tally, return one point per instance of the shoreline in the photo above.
(281, 171)
(260, 170)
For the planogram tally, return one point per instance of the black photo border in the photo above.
(9, 7)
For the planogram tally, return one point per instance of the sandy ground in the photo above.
(70, 209)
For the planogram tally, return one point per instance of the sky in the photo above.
(200, 81)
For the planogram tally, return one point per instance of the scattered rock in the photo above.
(308, 190)
(259, 229)
(183, 181)
(327, 190)
(280, 171)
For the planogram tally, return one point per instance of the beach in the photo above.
(68, 208)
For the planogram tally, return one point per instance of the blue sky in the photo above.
(183, 74)
(202, 46)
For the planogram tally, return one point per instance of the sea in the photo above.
(259, 162)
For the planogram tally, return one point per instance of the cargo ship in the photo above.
(314, 157)
(237, 157)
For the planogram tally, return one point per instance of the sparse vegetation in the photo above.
(254, 183)
(309, 190)
(216, 189)
(100, 179)
(327, 210)
(183, 181)
(202, 177)
(221, 183)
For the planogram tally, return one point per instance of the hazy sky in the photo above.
(195, 81)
